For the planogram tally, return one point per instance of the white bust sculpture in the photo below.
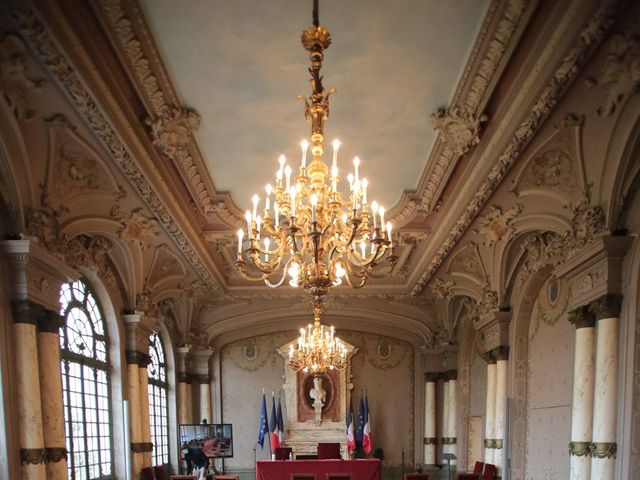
(319, 396)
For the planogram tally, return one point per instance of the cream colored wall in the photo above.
(477, 386)
(389, 383)
(550, 373)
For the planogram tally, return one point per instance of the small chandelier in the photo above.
(317, 349)
(310, 230)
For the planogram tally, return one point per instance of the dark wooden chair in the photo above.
(146, 473)
(159, 471)
(282, 453)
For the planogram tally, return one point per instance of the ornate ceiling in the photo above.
(453, 109)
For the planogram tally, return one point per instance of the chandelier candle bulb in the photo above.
(267, 200)
(381, 210)
(247, 216)
(304, 145)
(334, 179)
(258, 226)
(365, 184)
(240, 236)
(287, 173)
(255, 199)
(336, 147)
(389, 234)
(266, 249)
(293, 201)
(314, 202)
(356, 164)
(374, 210)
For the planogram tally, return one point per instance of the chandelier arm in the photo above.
(350, 283)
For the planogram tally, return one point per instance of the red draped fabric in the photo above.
(365, 469)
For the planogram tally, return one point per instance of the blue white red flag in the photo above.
(280, 423)
(351, 437)
(274, 441)
(263, 428)
(367, 440)
(360, 424)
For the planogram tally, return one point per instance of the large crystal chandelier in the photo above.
(312, 230)
(317, 349)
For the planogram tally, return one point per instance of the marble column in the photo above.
(202, 375)
(452, 418)
(51, 393)
(583, 383)
(445, 415)
(605, 402)
(183, 384)
(430, 439)
(204, 382)
(489, 429)
(26, 315)
(135, 420)
(501, 355)
(145, 421)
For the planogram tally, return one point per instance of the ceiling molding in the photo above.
(41, 42)
(561, 78)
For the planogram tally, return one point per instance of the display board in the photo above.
(215, 440)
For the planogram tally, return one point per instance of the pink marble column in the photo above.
(26, 315)
(583, 384)
(489, 429)
(51, 392)
(145, 423)
(605, 401)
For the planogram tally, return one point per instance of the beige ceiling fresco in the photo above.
(240, 65)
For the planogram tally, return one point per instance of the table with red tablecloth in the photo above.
(361, 469)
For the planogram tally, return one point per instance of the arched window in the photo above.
(84, 355)
(159, 418)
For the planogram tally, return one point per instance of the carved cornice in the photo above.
(33, 456)
(37, 35)
(582, 317)
(142, 447)
(565, 72)
(607, 306)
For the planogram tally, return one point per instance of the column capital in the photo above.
(137, 333)
(135, 357)
(200, 361)
(26, 311)
(489, 358)
(607, 306)
(500, 353)
(596, 270)
(50, 322)
(494, 327)
(582, 317)
(450, 375)
(201, 379)
(36, 274)
(431, 377)
(181, 361)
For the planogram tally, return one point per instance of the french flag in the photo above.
(280, 424)
(351, 438)
(274, 440)
(367, 441)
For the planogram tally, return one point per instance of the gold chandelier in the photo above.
(317, 349)
(310, 230)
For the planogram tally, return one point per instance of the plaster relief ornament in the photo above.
(15, 78)
(496, 225)
(442, 289)
(172, 131)
(137, 228)
(620, 75)
(166, 265)
(459, 127)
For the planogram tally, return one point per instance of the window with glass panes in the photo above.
(158, 414)
(84, 345)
